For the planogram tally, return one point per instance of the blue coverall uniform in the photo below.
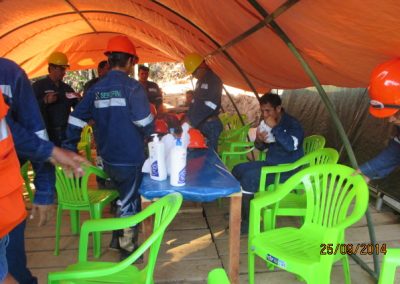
(29, 134)
(120, 108)
(55, 114)
(204, 109)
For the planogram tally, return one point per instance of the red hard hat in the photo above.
(384, 89)
(120, 43)
(153, 110)
(160, 126)
(196, 139)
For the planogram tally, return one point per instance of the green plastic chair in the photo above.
(336, 199)
(389, 264)
(228, 137)
(218, 276)
(86, 142)
(73, 194)
(238, 153)
(294, 204)
(312, 143)
(163, 210)
(27, 180)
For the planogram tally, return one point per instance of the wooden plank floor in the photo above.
(197, 242)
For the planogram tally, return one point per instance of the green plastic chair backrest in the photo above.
(318, 157)
(235, 122)
(218, 276)
(330, 190)
(71, 190)
(389, 264)
(312, 143)
(237, 154)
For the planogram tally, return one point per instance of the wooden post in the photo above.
(234, 236)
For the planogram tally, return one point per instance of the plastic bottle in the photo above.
(158, 170)
(178, 164)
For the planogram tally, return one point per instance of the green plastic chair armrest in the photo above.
(217, 276)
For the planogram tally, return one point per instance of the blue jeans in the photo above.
(16, 256)
(127, 180)
(212, 130)
(383, 164)
(3, 259)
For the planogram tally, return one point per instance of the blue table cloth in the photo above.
(207, 179)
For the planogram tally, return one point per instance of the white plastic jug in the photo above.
(178, 164)
(158, 170)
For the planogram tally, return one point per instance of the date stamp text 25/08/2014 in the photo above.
(349, 249)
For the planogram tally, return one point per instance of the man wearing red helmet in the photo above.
(384, 91)
(119, 106)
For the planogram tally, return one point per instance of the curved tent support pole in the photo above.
(337, 123)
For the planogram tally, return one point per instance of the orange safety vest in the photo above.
(12, 206)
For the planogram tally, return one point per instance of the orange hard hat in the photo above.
(384, 89)
(153, 110)
(120, 43)
(196, 139)
(160, 126)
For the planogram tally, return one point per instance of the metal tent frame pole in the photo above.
(337, 123)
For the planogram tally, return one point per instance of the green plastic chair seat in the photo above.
(304, 249)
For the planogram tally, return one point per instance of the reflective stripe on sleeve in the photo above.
(110, 102)
(42, 134)
(76, 122)
(145, 121)
(3, 129)
(210, 105)
(295, 142)
(6, 89)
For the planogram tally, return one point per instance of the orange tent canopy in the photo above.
(341, 40)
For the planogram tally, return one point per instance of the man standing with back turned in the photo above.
(118, 104)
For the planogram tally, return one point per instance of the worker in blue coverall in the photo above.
(204, 109)
(153, 91)
(284, 141)
(384, 92)
(119, 106)
(30, 139)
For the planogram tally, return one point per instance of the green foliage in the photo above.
(77, 79)
(166, 71)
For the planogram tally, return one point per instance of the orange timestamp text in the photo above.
(349, 249)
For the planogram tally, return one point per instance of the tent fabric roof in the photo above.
(341, 40)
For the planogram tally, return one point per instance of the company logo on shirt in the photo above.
(108, 95)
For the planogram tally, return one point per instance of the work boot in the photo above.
(244, 227)
(129, 243)
(114, 244)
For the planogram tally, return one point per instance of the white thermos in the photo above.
(158, 170)
(178, 164)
